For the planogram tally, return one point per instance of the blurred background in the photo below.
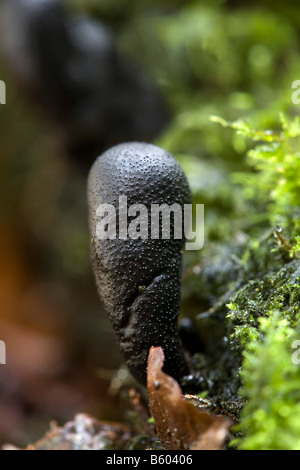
(168, 65)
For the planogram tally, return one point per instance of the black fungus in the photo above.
(139, 280)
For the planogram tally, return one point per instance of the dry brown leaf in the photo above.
(180, 425)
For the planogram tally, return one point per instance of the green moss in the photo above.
(276, 160)
(271, 418)
(263, 319)
(278, 291)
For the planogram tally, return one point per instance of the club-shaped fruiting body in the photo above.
(139, 280)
